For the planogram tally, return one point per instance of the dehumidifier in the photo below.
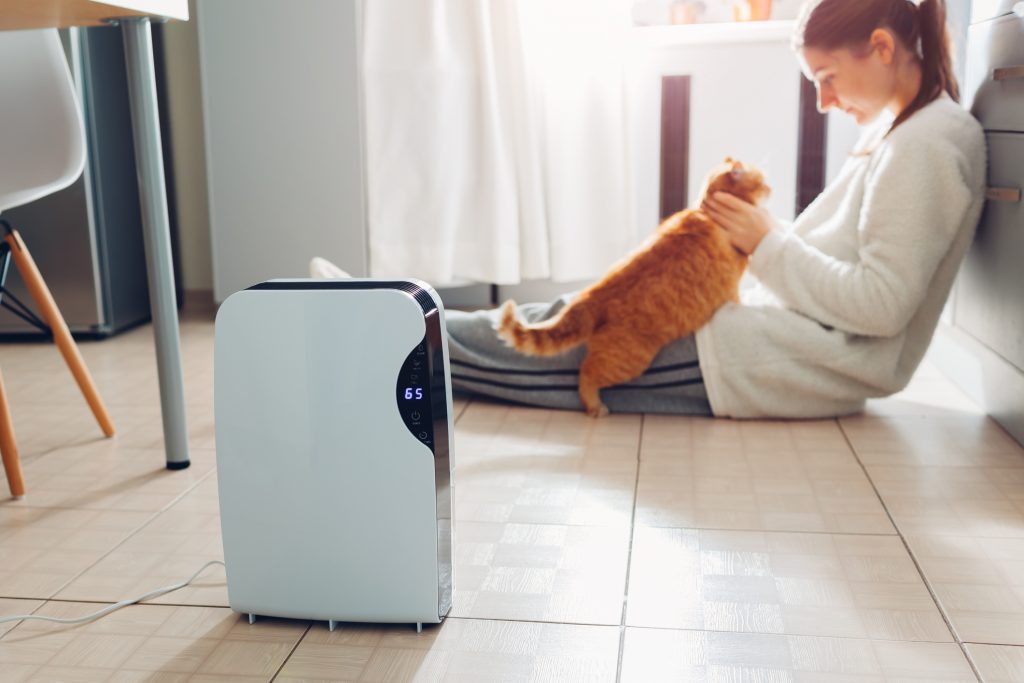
(334, 432)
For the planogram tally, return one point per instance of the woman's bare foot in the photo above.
(322, 269)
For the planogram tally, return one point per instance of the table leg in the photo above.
(138, 52)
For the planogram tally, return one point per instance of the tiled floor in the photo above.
(887, 546)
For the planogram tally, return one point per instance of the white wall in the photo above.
(282, 120)
(181, 60)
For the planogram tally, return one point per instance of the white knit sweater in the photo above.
(848, 298)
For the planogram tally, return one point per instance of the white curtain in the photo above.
(496, 138)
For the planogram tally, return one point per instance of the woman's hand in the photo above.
(745, 224)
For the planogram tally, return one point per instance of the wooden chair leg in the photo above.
(9, 448)
(61, 335)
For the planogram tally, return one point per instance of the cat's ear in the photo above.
(729, 160)
(736, 165)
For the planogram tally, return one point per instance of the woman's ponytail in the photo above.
(937, 74)
(935, 46)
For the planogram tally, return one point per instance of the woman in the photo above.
(850, 294)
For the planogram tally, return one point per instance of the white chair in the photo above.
(42, 150)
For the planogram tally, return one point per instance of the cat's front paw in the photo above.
(599, 410)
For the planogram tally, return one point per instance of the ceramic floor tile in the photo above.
(49, 412)
(998, 663)
(140, 426)
(169, 549)
(929, 394)
(544, 467)
(106, 476)
(653, 655)
(754, 476)
(10, 607)
(793, 583)
(949, 441)
(486, 432)
(457, 650)
(459, 406)
(540, 572)
(40, 431)
(41, 549)
(979, 582)
(149, 642)
(19, 673)
(489, 429)
(700, 435)
(980, 501)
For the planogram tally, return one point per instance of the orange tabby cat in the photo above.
(666, 289)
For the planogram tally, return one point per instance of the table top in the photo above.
(24, 14)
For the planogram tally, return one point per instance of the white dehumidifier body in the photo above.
(334, 432)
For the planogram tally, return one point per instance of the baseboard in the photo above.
(989, 379)
(199, 302)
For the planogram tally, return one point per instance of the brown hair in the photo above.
(834, 24)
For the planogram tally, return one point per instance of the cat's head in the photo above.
(734, 177)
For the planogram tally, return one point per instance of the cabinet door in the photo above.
(983, 10)
(990, 305)
(995, 73)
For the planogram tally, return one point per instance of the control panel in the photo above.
(413, 394)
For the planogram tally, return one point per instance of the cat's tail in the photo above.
(567, 330)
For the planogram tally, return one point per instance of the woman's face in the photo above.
(859, 82)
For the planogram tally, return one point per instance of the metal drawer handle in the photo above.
(1003, 194)
(1008, 72)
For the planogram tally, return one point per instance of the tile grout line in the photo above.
(42, 604)
(695, 528)
(629, 553)
(92, 601)
(913, 558)
(132, 534)
(786, 634)
(465, 406)
(716, 630)
(284, 662)
(759, 531)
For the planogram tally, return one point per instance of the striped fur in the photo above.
(567, 330)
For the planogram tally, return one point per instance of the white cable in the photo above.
(110, 608)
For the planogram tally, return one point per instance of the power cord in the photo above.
(111, 608)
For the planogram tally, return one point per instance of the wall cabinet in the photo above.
(990, 305)
(982, 347)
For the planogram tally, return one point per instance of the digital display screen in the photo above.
(412, 391)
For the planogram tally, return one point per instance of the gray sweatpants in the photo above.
(483, 364)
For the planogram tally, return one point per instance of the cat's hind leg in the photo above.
(614, 356)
